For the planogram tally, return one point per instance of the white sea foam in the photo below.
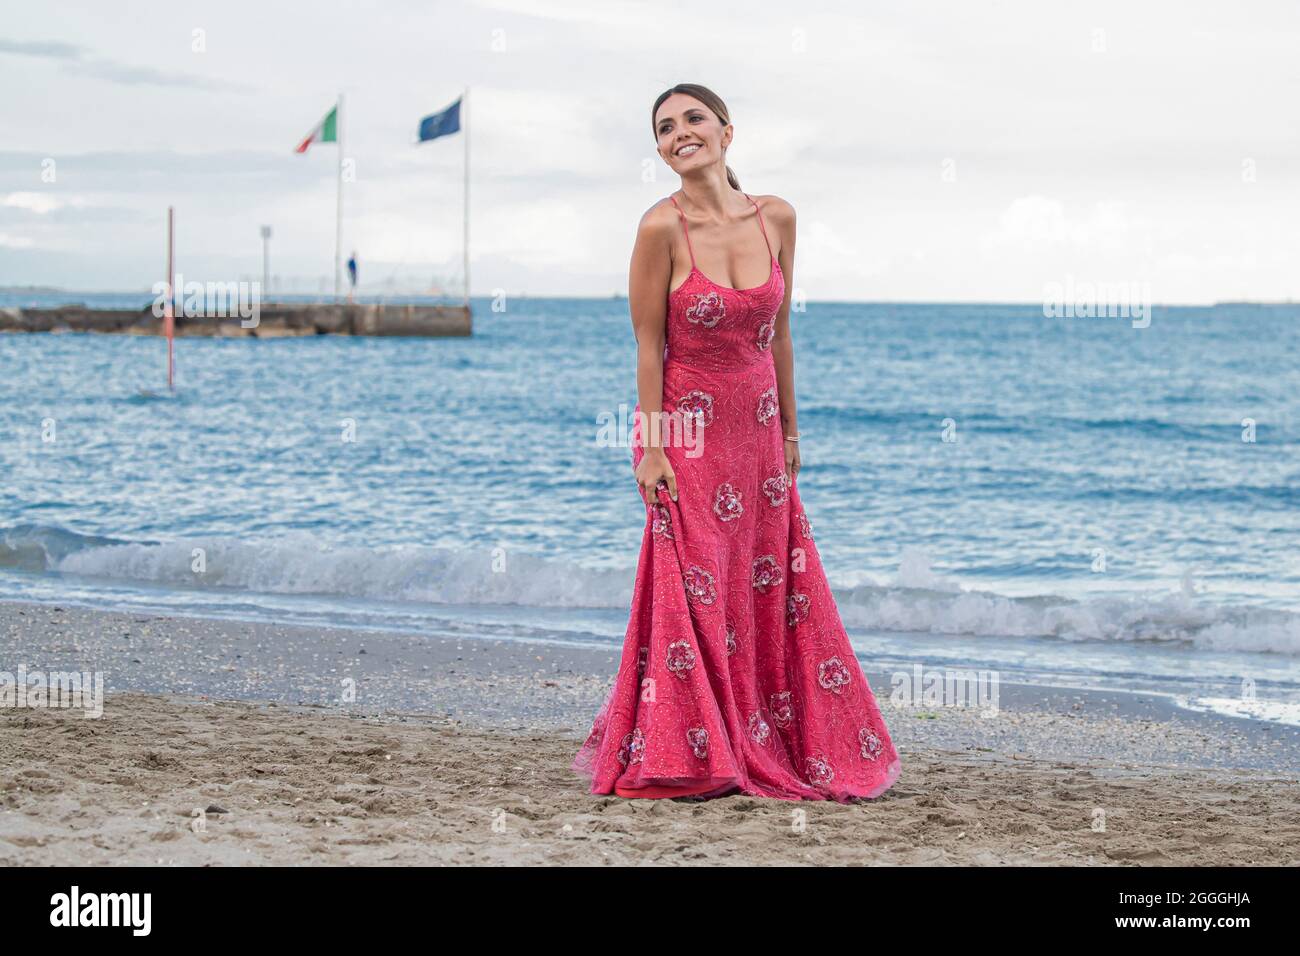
(918, 600)
(1274, 711)
(1174, 618)
(303, 566)
(921, 601)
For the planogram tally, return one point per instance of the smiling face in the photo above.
(688, 134)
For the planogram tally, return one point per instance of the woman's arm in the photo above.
(647, 295)
(780, 214)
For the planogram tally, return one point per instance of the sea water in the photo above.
(1073, 500)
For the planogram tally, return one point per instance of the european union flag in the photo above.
(441, 124)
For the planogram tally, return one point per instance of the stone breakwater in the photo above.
(273, 321)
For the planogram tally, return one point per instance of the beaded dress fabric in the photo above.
(736, 675)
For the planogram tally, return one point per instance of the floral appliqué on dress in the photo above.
(698, 739)
(698, 403)
(681, 658)
(661, 522)
(707, 309)
(699, 585)
(633, 748)
(782, 710)
(833, 675)
(797, 607)
(767, 406)
(726, 504)
(775, 488)
(872, 745)
(819, 770)
(767, 573)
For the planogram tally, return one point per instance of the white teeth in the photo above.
(687, 150)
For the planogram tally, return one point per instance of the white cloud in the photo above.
(1108, 225)
(78, 60)
(39, 203)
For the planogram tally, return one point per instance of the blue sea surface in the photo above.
(1067, 499)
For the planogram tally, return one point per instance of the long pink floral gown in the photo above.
(736, 674)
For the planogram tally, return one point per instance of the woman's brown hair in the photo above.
(710, 99)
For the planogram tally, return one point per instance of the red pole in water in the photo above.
(169, 318)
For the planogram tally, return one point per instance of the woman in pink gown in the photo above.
(736, 673)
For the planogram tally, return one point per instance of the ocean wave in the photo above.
(29, 547)
(917, 600)
(303, 565)
(1174, 619)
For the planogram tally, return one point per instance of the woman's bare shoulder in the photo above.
(659, 221)
(776, 210)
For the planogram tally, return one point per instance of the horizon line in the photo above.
(615, 296)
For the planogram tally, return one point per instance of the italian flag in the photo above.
(326, 131)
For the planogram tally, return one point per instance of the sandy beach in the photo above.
(228, 743)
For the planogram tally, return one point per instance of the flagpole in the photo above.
(465, 110)
(338, 213)
(169, 311)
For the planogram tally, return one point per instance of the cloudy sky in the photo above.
(936, 151)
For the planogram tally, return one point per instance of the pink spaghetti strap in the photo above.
(686, 232)
(760, 223)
